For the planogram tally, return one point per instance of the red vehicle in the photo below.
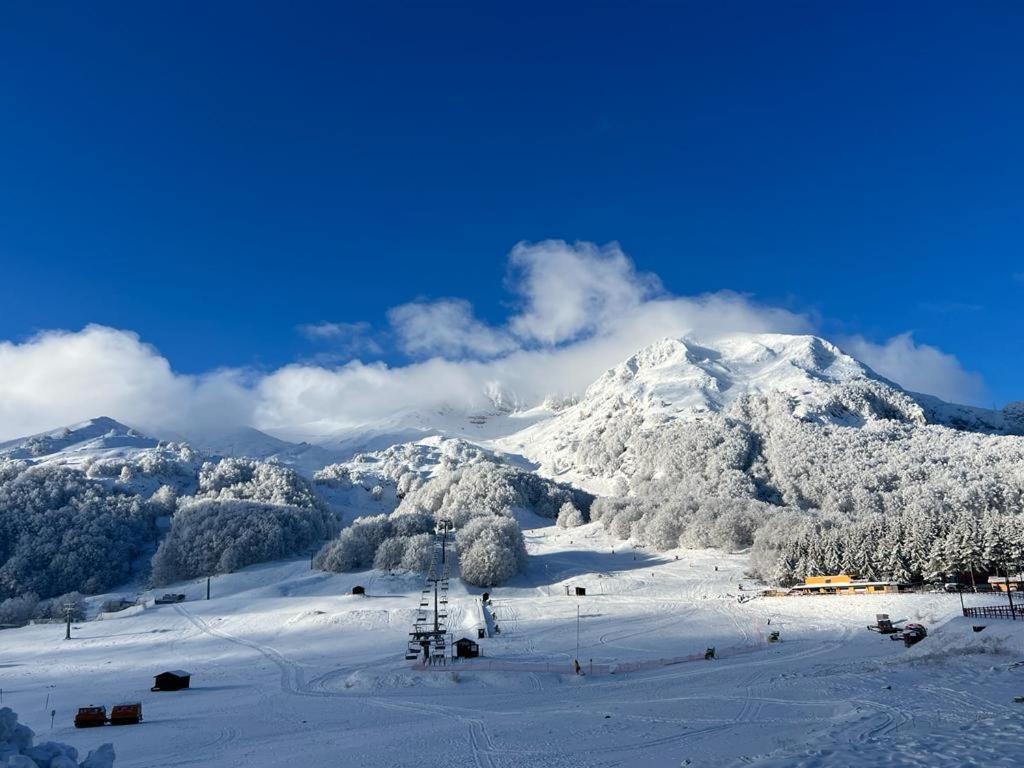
(126, 714)
(90, 717)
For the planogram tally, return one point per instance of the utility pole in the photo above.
(68, 610)
(207, 587)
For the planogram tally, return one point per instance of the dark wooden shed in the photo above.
(466, 648)
(581, 591)
(175, 680)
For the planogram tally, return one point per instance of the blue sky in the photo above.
(215, 179)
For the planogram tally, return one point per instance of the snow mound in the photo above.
(958, 638)
(17, 749)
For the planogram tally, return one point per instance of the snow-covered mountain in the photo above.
(99, 436)
(477, 424)
(669, 380)
(683, 379)
(253, 444)
(677, 381)
(104, 438)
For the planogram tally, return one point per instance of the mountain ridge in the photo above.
(670, 379)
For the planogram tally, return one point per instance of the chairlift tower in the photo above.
(428, 635)
(69, 609)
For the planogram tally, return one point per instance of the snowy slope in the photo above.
(251, 443)
(288, 667)
(1008, 421)
(682, 380)
(101, 435)
(411, 425)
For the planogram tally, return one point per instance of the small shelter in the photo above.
(581, 591)
(466, 648)
(358, 590)
(175, 680)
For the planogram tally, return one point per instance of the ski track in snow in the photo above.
(285, 664)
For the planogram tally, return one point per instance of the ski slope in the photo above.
(288, 668)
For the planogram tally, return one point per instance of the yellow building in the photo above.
(843, 584)
(1010, 583)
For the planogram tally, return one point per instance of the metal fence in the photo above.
(992, 612)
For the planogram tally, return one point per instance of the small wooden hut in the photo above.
(466, 648)
(175, 680)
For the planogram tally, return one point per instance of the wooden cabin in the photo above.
(466, 649)
(175, 680)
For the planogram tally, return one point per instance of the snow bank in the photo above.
(958, 638)
(17, 750)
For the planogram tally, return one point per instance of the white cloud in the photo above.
(573, 290)
(447, 328)
(319, 331)
(582, 310)
(566, 292)
(57, 377)
(312, 400)
(919, 368)
(343, 338)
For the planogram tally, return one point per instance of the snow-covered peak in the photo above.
(684, 375)
(101, 434)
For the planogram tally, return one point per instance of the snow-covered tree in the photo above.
(212, 536)
(61, 532)
(491, 550)
(569, 516)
